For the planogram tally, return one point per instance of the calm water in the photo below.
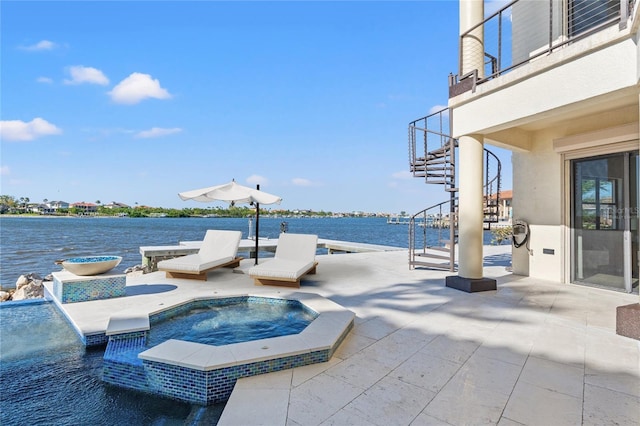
(232, 323)
(33, 244)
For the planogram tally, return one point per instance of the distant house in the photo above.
(57, 205)
(85, 208)
(41, 209)
(505, 210)
(115, 205)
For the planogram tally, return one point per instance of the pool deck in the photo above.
(532, 352)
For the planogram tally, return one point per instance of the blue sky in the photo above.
(137, 101)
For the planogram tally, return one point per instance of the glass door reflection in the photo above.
(605, 221)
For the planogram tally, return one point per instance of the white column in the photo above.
(472, 48)
(470, 170)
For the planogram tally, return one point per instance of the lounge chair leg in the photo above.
(201, 276)
(280, 283)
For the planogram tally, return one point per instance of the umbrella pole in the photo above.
(257, 224)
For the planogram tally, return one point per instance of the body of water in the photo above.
(242, 321)
(34, 244)
(47, 377)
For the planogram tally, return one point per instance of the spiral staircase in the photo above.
(432, 157)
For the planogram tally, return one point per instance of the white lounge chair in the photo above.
(219, 249)
(295, 257)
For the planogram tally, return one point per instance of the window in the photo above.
(587, 14)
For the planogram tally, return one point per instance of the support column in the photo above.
(472, 45)
(470, 218)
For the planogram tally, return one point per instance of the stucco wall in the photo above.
(540, 192)
(604, 73)
(537, 199)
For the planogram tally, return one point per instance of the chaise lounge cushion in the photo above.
(218, 248)
(281, 268)
(192, 263)
(294, 257)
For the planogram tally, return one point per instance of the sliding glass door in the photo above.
(605, 221)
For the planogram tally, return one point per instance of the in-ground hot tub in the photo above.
(226, 321)
(204, 373)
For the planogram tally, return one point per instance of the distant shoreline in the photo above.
(47, 216)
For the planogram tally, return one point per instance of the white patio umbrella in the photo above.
(233, 193)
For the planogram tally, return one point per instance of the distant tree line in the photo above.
(23, 205)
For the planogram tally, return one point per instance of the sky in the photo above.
(136, 101)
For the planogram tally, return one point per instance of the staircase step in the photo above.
(439, 169)
(442, 249)
(440, 151)
(431, 256)
(444, 266)
(438, 160)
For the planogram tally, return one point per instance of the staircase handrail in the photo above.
(450, 227)
(497, 175)
(414, 127)
(488, 189)
(423, 211)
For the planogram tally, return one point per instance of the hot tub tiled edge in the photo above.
(206, 374)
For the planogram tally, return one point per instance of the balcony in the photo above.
(524, 31)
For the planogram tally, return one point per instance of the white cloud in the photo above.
(257, 180)
(301, 182)
(136, 88)
(4, 171)
(41, 45)
(45, 80)
(81, 74)
(437, 108)
(18, 130)
(404, 174)
(157, 132)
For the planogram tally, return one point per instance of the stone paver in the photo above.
(532, 352)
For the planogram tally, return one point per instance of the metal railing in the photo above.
(432, 132)
(492, 187)
(443, 218)
(524, 30)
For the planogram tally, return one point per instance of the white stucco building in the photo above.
(556, 82)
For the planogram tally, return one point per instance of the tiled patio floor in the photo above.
(532, 352)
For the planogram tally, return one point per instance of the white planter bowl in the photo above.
(91, 265)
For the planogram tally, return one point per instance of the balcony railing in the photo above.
(524, 30)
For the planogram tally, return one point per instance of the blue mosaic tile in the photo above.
(125, 349)
(90, 289)
(123, 367)
(99, 339)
